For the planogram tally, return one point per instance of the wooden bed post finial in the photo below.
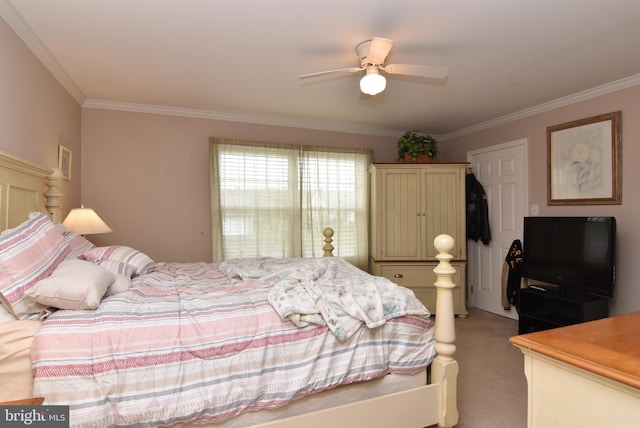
(328, 239)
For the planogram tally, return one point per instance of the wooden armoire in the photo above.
(410, 205)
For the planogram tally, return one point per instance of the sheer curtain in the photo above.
(275, 200)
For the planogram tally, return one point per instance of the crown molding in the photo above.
(341, 127)
(235, 117)
(26, 34)
(588, 94)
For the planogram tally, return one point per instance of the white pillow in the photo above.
(75, 284)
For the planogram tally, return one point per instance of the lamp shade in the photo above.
(373, 82)
(85, 221)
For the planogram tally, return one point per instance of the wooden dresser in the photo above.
(584, 375)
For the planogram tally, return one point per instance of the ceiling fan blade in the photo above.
(417, 70)
(339, 70)
(379, 50)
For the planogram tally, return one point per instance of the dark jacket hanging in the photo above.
(512, 275)
(477, 210)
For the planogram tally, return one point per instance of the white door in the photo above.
(501, 170)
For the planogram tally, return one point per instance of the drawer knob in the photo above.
(398, 275)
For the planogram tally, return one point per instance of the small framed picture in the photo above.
(64, 161)
(584, 161)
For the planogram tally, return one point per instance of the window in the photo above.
(275, 200)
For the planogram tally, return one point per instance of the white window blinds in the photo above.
(275, 200)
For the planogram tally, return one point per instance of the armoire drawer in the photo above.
(409, 275)
(420, 278)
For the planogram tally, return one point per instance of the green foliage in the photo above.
(415, 143)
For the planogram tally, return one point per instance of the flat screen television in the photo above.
(575, 253)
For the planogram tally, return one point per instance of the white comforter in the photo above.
(327, 291)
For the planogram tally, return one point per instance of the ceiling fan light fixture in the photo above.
(372, 56)
(372, 82)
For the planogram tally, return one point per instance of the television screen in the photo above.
(575, 253)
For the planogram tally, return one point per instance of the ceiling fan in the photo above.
(372, 55)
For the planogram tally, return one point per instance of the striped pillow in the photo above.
(78, 243)
(117, 268)
(29, 253)
(123, 273)
(123, 254)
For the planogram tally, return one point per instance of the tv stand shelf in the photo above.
(543, 308)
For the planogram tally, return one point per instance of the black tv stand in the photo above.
(543, 307)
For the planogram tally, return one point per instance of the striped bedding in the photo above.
(191, 342)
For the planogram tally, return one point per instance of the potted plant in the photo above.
(416, 147)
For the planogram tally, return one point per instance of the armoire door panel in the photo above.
(399, 205)
(444, 212)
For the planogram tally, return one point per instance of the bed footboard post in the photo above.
(444, 369)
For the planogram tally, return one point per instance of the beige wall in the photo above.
(627, 295)
(147, 175)
(36, 112)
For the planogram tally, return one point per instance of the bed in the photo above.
(379, 358)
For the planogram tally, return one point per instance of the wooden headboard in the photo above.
(25, 188)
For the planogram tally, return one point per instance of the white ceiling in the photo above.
(240, 59)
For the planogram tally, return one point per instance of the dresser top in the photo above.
(608, 347)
